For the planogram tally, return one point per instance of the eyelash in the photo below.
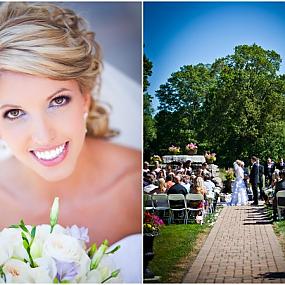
(66, 99)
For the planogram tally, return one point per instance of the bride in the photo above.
(57, 131)
(239, 194)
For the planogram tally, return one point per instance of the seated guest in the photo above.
(177, 188)
(208, 183)
(146, 167)
(281, 164)
(161, 185)
(280, 185)
(205, 169)
(148, 185)
(157, 167)
(169, 170)
(180, 169)
(186, 182)
(188, 168)
(169, 181)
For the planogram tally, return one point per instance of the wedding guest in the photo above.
(180, 169)
(177, 188)
(205, 169)
(260, 184)
(268, 171)
(208, 184)
(157, 167)
(148, 184)
(186, 182)
(169, 170)
(281, 164)
(169, 181)
(146, 167)
(188, 168)
(254, 179)
(57, 129)
(161, 185)
(280, 185)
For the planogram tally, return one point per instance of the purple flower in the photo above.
(66, 271)
(79, 233)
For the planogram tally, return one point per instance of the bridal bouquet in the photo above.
(53, 254)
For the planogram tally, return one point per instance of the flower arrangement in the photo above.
(191, 146)
(174, 149)
(210, 157)
(152, 224)
(230, 175)
(53, 254)
(155, 158)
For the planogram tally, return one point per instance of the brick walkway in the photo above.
(241, 248)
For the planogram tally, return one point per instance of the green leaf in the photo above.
(14, 227)
(23, 226)
(26, 244)
(114, 274)
(92, 250)
(114, 250)
(33, 232)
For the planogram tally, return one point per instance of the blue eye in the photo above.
(13, 114)
(60, 101)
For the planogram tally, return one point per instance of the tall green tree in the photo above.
(245, 110)
(149, 129)
(181, 98)
(236, 106)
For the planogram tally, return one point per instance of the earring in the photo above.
(85, 116)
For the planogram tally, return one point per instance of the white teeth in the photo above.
(49, 154)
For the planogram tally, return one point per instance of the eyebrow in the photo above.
(48, 98)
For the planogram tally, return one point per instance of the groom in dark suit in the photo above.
(254, 179)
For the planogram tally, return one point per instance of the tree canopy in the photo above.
(235, 106)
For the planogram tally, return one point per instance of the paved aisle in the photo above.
(241, 247)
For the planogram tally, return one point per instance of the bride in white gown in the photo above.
(239, 194)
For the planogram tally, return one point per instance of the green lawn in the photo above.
(171, 247)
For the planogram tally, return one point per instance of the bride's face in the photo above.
(42, 121)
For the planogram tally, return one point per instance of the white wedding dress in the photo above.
(239, 194)
(129, 258)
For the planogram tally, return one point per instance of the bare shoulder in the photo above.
(105, 152)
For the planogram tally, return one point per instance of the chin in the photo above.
(55, 176)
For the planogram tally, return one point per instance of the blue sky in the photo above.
(181, 33)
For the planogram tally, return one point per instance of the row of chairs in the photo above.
(176, 207)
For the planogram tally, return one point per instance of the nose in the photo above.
(43, 132)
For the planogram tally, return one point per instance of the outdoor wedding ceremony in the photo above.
(213, 142)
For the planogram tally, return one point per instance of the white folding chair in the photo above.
(280, 196)
(148, 203)
(161, 206)
(192, 210)
(178, 207)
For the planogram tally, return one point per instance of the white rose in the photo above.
(15, 239)
(42, 233)
(46, 270)
(17, 271)
(6, 249)
(66, 248)
(103, 271)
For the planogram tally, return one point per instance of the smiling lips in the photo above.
(53, 156)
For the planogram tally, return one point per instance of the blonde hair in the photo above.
(240, 162)
(49, 41)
